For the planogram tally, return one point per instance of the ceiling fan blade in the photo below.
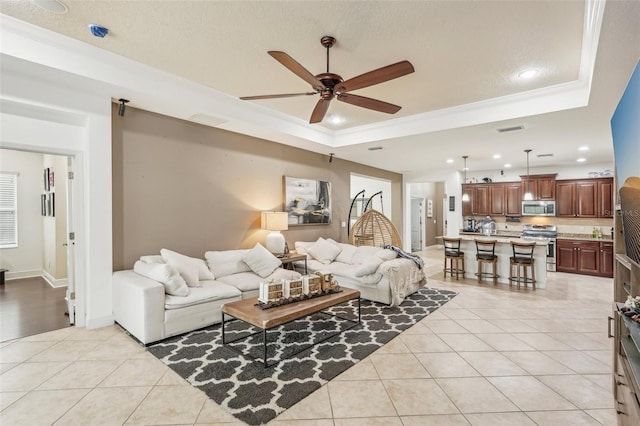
(319, 111)
(377, 76)
(369, 103)
(286, 95)
(297, 69)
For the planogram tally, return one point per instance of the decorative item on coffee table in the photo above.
(283, 292)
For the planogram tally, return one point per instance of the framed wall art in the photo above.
(307, 201)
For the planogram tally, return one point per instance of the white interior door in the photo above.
(70, 296)
(417, 233)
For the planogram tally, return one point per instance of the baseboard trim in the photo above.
(23, 274)
(99, 322)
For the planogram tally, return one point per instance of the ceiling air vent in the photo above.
(544, 155)
(375, 148)
(510, 129)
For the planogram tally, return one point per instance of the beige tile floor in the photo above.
(492, 356)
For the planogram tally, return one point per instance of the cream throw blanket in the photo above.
(404, 277)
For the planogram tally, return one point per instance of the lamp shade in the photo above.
(275, 221)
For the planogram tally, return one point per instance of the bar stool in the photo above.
(453, 253)
(486, 254)
(522, 259)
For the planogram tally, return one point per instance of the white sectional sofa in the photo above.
(379, 274)
(170, 294)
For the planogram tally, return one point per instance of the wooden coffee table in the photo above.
(247, 310)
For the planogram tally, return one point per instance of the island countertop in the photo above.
(500, 239)
(504, 252)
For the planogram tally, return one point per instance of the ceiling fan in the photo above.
(330, 85)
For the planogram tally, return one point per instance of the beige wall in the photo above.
(192, 188)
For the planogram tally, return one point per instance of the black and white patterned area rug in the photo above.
(256, 395)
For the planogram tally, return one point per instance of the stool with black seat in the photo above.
(522, 259)
(453, 253)
(486, 254)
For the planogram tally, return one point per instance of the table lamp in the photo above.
(275, 222)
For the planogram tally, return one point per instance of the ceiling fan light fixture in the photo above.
(329, 85)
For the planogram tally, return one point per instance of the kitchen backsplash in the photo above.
(566, 226)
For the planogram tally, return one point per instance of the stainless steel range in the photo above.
(543, 232)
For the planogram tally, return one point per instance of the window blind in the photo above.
(8, 210)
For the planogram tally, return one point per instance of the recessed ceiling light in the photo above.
(530, 73)
(581, 160)
(507, 166)
(450, 160)
(54, 6)
(496, 156)
(583, 148)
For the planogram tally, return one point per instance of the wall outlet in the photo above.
(343, 224)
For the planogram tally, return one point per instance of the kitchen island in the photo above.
(504, 252)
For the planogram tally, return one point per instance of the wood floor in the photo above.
(31, 306)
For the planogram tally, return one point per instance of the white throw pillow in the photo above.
(188, 267)
(302, 246)
(368, 268)
(226, 262)
(152, 258)
(173, 283)
(261, 261)
(387, 254)
(346, 255)
(324, 251)
(365, 254)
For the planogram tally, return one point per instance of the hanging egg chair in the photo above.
(374, 229)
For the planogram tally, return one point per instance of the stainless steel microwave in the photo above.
(538, 208)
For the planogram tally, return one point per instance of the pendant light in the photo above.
(528, 196)
(465, 196)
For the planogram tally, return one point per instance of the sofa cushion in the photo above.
(365, 254)
(324, 251)
(261, 261)
(210, 290)
(346, 255)
(165, 274)
(227, 262)
(192, 269)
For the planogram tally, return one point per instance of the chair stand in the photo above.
(524, 277)
(522, 260)
(493, 274)
(455, 256)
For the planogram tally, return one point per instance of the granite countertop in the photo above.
(500, 238)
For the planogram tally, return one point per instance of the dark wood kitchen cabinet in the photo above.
(606, 259)
(542, 187)
(585, 257)
(605, 197)
(577, 198)
(496, 199)
(478, 204)
(513, 199)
